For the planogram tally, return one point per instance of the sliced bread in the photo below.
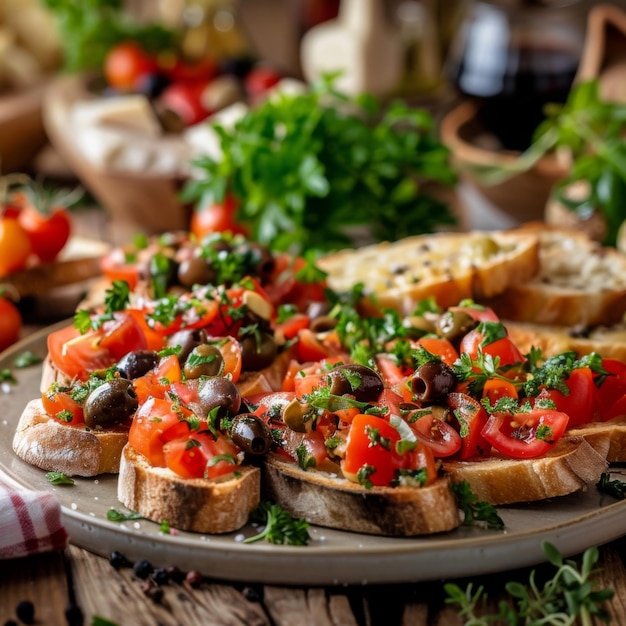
(448, 266)
(580, 283)
(73, 450)
(216, 505)
(569, 467)
(328, 499)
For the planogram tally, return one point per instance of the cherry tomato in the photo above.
(182, 70)
(483, 338)
(15, 246)
(525, 435)
(471, 418)
(185, 99)
(126, 63)
(259, 80)
(437, 435)
(612, 387)
(440, 347)
(116, 270)
(219, 217)
(48, 231)
(581, 402)
(122, 335)
(10, 323)
(496, 388)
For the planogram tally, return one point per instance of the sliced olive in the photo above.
(358, 380)
(258, 351)
(323, 323)
(296, 414)
(453, 324)
(217, 391)
(204, 360)
(113, 402)
(432, 381)
(186, 341)
(137, 363)
(196, 271)
(251, 434)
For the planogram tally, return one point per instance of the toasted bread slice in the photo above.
(447, 266)
(606, 437)
(580, 283)
(607, 341)
(216, 505)
(74, 450)
(327, 499)
(570, 466)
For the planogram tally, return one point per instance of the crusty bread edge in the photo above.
(213, 506)
(73, 450)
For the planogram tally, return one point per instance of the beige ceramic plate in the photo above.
(572, 523)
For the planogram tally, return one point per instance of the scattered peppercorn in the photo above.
(194, 578)
(10, 622)
(118, 560)
(251, 594)
(175, 574)
(161, 576)
(74, 615)
(25, 612)
(143, 568)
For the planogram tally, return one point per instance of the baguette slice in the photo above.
(608, 437)
(326, 499)
(580, 283)
(216, 505)
(570, 466)
(447, 266)
(74, 450)
(608, 341)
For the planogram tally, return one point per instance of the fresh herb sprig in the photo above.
(307, 169)
(569, 597)
(475, 510)
(280, 526)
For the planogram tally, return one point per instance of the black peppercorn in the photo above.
(143, 568)
(74, 615)
(175, 574)
(25, 612)
(118, 560)
(10, 622)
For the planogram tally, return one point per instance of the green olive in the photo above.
(258, 351)
(204, 360)
(360, 381)
(251, 434)
(296, 414)
(113, 402)
(484, 247)
(217, 391)
(452, 324)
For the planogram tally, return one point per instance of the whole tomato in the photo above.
(126, 63)
(10, 322)
(185, 99)
(45, 218)
(218, 217)
(15, 245)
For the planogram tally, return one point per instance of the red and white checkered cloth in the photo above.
(30, 523)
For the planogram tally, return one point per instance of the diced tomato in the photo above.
(62, 407)
(440, 347)
(580, 404)
(437, 435)
(122, 335)
(304, 385)
(156, 382)
(147, 432)
(292, 326)
(471, 418)
(496, 388)
(481, 339)
(310, 348)
(525, 435)
(230, 349)
(114, 269)
(392, 372)
(370, 454)
(78, 355)
(154, 340)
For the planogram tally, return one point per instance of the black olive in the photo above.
(258, 258)
(114, 401)
(204, 360)
(432, 381)
(152, 85)
(137, 363)
(251, 434)
(216, 391)
(358, 380)
(186, 341)
(196, 271)
(258, 351)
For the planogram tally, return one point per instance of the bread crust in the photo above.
(606, 437)
(73, 450)
(214, 506)
(569, 467)
(447, 266)
(325, 499)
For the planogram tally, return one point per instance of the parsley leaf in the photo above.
(280, 526)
